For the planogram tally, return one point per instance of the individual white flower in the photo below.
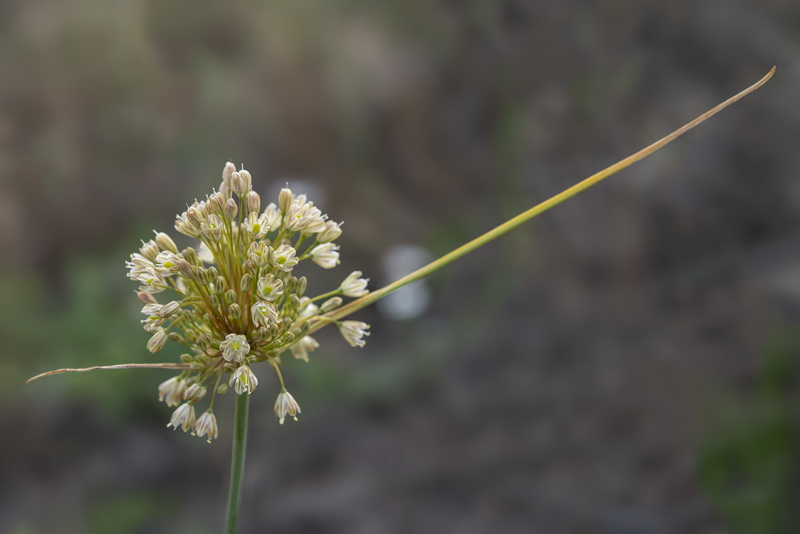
(157, 342)
(303, 216)
(354, 285)
(307, 309)
(234, 347)
(354, 332)
(301, 349)
(273, 216)
(256, 225)
(284, 257)
(258, 253)
(212, 227)
(152, 309)
(183, 417)
(243, 380)
(206, 425)
(269, 287)
(184, 225)
(139, 265)
(286, 405)
(331, 232)
(325, 255)
(171, 391)
(204, 253)
(264, 313)
(167, 263)
(150, 249)
(152, 282)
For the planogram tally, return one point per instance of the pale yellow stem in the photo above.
(531, 213)
(179, 366)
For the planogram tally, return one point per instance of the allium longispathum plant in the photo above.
(233, 300)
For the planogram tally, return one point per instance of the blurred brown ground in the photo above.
(627, 363)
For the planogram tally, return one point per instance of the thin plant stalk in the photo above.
(525, 216)
(237, 462)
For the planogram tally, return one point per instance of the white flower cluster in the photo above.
(234, 300)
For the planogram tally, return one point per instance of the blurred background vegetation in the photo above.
(627, 363)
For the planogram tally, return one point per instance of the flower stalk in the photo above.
(540, 208)
(237, 462)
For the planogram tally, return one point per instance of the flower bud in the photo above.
(247, 182)
(194, 393)
(216, 203)
(166, 243)
(285, 199)
(330, 304)
(157, 342)
(229, 296)
(253, 202)
(244, 285)
(227, 171)
(147, 298)
(190, 255)
(237, 184)
(234, 311)
(231, 209)
(220, 284)
(302, 283)
(169, 309)
(203, 341)
(194, 216)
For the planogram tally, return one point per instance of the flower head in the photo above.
(234, 300)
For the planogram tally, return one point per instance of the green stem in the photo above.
(523, 217)
(237, 462)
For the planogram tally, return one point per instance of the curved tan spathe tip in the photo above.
(179, 366)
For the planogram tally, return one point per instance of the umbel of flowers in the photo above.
(234, 301)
